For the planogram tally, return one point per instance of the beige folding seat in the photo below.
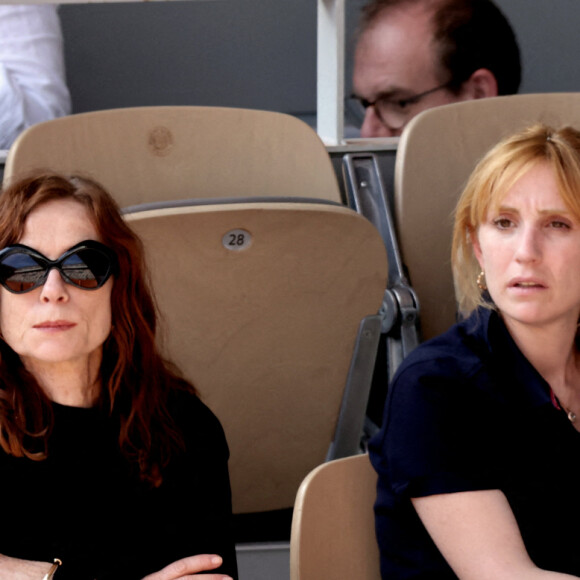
(437, 152)
(147, 154)
(271, 310)
(333, 532)
(269, 287)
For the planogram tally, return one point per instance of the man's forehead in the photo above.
(395, 54)
(417, 16)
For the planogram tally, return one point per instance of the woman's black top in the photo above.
(87, 506)
(467, 411)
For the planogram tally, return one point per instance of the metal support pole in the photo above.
(330, 86)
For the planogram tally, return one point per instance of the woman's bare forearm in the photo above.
(478, 535)
(17, 569)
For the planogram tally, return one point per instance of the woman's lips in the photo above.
(526, 284)
(55, 325)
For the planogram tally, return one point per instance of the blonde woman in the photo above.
(479, 453)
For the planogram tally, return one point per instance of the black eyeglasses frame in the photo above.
(48, 265)
(402, 103)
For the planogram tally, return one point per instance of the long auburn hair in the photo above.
(136, 379)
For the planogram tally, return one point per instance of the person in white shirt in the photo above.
(32, 71)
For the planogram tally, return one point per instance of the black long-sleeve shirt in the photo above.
(85, 504)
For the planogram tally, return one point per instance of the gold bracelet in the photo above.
(50, 574)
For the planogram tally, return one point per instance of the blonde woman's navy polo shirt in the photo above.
(466, 411)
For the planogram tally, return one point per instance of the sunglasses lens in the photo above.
(87, 268)
(19, 272)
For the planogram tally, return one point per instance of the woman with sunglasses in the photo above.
(479, 452)
(110, 466)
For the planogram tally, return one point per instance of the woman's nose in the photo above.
(55, 288)
(529, 245)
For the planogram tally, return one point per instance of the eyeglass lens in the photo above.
(390, 113)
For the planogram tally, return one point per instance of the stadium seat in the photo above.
(437, 152)
(147, 154)
(333, 532)
(269, 287)
(271, 309)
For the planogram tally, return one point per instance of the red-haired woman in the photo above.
(109, 462)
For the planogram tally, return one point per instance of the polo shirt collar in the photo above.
(518, 372)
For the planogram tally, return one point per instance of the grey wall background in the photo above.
(258, 53)
(243, 53)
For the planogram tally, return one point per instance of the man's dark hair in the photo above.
(469, 35)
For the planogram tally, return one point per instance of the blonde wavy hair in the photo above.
(492, 178)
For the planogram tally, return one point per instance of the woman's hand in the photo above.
(16, 569)
(188, 568)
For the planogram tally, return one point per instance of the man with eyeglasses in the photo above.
(412, 55)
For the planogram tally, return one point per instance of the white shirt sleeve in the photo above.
(32, 72)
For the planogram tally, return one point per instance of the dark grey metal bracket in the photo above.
(351, 419)
(367, 195)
